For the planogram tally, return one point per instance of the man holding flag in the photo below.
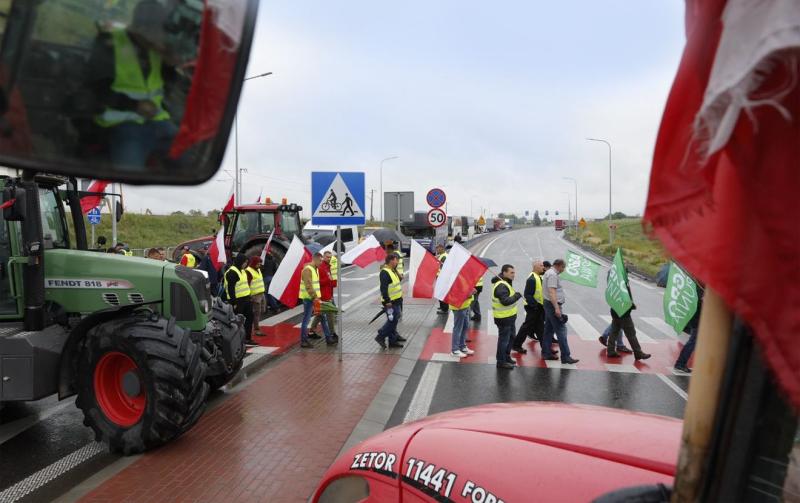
(620, 299)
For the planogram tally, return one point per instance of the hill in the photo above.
(145, 231)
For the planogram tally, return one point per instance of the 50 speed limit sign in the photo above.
(437, 217)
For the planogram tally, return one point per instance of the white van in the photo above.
(326, 234)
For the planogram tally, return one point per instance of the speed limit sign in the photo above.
(437, 217)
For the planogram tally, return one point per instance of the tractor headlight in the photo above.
(205, 306)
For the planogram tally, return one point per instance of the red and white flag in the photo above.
(258, 201)
(266, 246)
(367, 252)
(330, 247)
(422, 271)
(217, 249)
(229, 203)
(458, 276)
(93, 200)
(285, 285)
(724, 181)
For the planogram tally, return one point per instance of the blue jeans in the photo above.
(505, 334)
(131, 144)
(620, 340)
(308, 312)
(460, 326)
(688, 349)
(389, 329)
(560, 328)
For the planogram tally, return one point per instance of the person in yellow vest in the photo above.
(129, 69)
(533, 296)
(188, 259)
(476, 305)
(311, 295)
(390, 248)
(441, 256)
(391, 297)
(504, 310)
(458, 346)
(237, 290)
(326, 285)
(256, 280)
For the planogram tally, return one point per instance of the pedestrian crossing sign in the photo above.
(338, 198)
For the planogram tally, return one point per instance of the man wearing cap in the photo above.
(238, 290)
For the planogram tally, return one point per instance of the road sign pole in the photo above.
(93, 240)
(339, 288)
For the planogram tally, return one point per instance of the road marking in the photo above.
(539, 242)
(643, 337)
(262, 350)
(444, 357)
(677, 389)
(281, 317)
(14, 428)
(448, 327)
(661, 326)
(677, 372)
(642, 284)
(483, 253)
(621, 367)
(555, 364)
(523, 250)
(423, 396)
(49, 473)
(582, 327)
(347, 305)
(491, 328)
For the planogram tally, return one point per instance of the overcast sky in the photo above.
(485, 99)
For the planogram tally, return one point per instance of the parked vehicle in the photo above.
(422, 232)
(560, 225)
(326, 234)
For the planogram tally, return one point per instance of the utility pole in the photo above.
(237, 179)
(371, 204)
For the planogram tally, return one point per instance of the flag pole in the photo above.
(713, 339)
(339, 287)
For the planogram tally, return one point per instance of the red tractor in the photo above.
(248, 227)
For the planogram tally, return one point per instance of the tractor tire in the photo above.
(141, 382)
(278, 252)
(222, 314)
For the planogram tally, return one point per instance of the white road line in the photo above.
(49, 473)
(483, 253)
(555, 364)
(642, 284)
(539, 242)
(448, 327)
(491, 328)
(643, 337)
(444, 357)
(621, 367)
(582, 327)
(280, 318)
(661, 326)
(14, 428)
(677, 389)
(423, 396)
(350, 303)
(524, 250)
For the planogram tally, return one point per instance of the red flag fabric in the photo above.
(266, 247)
(725, 180)
(93, 200)
(458, 276)
(285, 284)
(365, 253)
(228, 205)
(422, 270)
(217, 249)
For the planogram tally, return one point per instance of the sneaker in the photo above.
(684, 369)
(467, 351)
(381, 342)
(458, 354)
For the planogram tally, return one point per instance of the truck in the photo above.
(140, 342)
(560, 225)
(499, 224)
(423, 233)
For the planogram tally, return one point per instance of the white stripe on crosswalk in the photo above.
(491, 328)
(643, 337)
(555, 364)
(444, 357)
(621, 367)
(582, 327)
(448, 327)
(661, 326)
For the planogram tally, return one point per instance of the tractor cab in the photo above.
(253, 222)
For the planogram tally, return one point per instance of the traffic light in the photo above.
(556, 212)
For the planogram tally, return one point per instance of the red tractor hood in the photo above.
(522, 452)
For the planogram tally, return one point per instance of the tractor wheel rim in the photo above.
(119, 407)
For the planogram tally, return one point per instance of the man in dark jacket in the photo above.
(238, 291)
(391, 298)
(624, 323)
(533, 326)
(268, 269)
(210, 269)
(504, 310)
(681, 364)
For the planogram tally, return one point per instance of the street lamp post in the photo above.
(381, 183)
(576, 199)
(569, 206)
(610, 233)
(237, 183)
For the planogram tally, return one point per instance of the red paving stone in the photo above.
(283, 336)
(591, 354)
(271, 441)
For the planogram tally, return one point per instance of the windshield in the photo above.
(54, 224)
(290, 223)
(249, 225)
(418, 232)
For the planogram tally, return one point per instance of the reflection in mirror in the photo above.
(133, 90)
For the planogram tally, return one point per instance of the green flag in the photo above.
(617, 294)
(680, 298)
(580, 270)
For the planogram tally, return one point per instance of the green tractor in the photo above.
(140, 342)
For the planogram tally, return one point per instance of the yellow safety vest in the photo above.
(400, 262)
(127, 253)
(191, 262)
(539, 294)
(480, 282)
(334, 268)
(395, 287)
(257, 283)
(304, 295)
(500, 311)
(441, 258)
(130, 81)
(465, 305)
(242, 289)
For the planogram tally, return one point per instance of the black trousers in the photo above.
(624, 324)
(245, 307)
(532, 326)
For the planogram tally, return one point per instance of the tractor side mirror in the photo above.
(13, 204)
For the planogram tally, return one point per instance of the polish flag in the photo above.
(422, 271)
(93, 200)
(266, 246)
(229, 204)
(330, 247)
(217, 249)
(285, 285)
(365, 253)
(458, 276)
(258, 201)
